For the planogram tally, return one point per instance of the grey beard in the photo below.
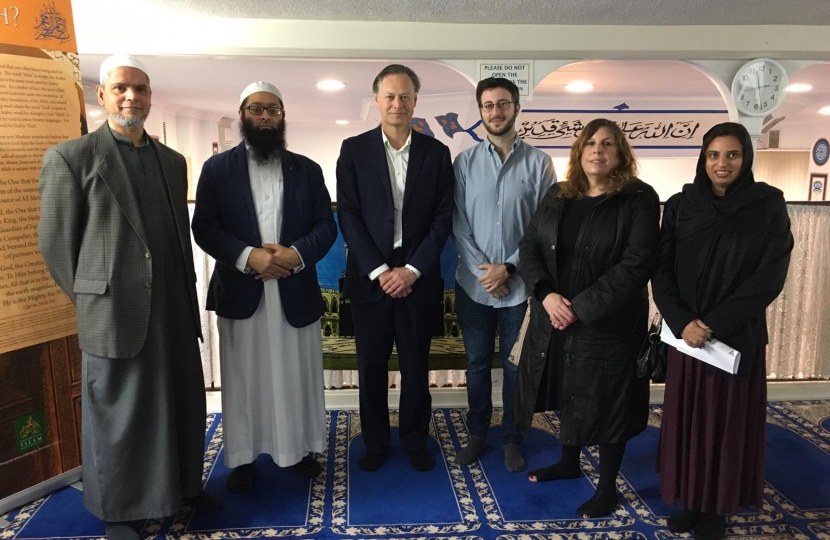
(129, 123)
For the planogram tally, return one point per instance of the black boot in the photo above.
(121, 531)
(710, 526)
(683, 521)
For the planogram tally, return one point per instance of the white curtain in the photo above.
(799, 319)
(210, 346)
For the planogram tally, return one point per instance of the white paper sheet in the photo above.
(714, 352)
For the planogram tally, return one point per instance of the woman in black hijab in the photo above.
(724, 252)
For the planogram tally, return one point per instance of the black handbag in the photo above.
(651, 362)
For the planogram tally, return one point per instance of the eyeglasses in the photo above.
(256, 110)
(502, 104)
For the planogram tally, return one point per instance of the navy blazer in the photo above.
(367, 219)
(225, 223)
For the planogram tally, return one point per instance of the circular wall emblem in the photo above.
(821, 151)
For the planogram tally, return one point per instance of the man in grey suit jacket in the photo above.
(114, 234)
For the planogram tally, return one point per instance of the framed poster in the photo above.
(818, 187)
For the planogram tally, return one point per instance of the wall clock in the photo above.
(759, 87)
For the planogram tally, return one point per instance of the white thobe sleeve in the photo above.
(302, 263)
(242, 261)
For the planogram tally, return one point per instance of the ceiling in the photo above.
(560, 12)
(213, 85)
(209, 87)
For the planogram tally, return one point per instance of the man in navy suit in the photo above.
(265, 215)
(394, 203)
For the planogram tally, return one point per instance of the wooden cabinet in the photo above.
(47, 378)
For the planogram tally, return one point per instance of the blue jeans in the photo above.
(478, 327)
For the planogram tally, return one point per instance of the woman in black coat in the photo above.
(724, 253)
(586, 257)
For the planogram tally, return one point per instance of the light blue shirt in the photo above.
(494, 202)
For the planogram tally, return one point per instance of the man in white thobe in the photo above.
(264, 214)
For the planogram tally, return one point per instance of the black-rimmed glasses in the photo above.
(256, 110)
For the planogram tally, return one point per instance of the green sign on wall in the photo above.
(30, 431)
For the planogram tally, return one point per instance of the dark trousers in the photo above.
(478, 328)
(376, 327)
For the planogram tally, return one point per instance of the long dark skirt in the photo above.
(712, 442)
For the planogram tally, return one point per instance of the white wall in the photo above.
(194, 139)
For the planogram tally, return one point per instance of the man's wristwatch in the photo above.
(511, 268)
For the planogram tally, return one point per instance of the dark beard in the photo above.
(265, 144)
(504, 129)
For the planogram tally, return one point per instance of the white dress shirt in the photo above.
(398, 163)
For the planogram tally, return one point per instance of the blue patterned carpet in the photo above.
(482, 501)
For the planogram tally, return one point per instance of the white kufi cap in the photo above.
(120, 60)
(259, 86)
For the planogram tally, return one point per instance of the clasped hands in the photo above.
(696, 334)
(272, 261)
(495, 279)
(559, 310)
(397, 282)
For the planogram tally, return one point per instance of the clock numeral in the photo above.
(765, 105)
(756, 107)
(745, 78)
(775, 79)
(747, 104)
(740, 88)
(773, 97)
(776, 88)
(742, 97)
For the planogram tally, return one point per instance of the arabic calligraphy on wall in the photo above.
(666, 129)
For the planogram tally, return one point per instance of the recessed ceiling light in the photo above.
(579, 86)
(95, 113)
(99, 121)
(330, 84)
(824, 110)
(799, 87)
(342, 122)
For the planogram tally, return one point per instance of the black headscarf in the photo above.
(702, 214)
(731, 254)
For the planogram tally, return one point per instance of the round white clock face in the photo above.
(759, 87)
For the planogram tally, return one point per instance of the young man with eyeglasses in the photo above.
(264, 214)
(498, 185)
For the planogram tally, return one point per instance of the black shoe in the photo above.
(371, 461)
(308, 467)
(683, 521)
(422, 462)
(241, 478)
(121, 531)
(205, 502)
(710, 526)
